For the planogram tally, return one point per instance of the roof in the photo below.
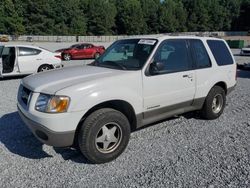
(21, 45)
(164, 37)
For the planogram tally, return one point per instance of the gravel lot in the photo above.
(181, 152)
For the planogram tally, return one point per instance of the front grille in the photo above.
(25, 95)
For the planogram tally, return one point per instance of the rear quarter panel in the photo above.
(208, 77)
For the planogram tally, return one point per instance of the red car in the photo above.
(81, 51)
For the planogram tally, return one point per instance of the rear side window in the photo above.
(24, 51)
(220, 52)
(200, 54)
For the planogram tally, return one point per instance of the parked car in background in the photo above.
(23, 59)
(4, 38)
(81, 51)
(245, 51)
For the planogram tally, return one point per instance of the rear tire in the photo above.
(44, 68)
(104, 135)
(66, 57)
(214, 104)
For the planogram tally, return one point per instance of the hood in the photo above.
(52, 81)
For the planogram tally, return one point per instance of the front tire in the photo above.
(104, 135)
(214, 104)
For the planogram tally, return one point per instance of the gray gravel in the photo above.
(180, 152)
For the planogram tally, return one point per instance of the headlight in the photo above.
(52, 104)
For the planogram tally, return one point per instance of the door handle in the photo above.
(38, 59)
(187, 76)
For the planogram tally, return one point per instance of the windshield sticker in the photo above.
(146, 41)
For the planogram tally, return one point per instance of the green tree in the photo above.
(130, 18)
(198, 16)
(150, 9)
(69, 18)
(38, 18)
(243, 21)
(10, 22)
(172, 17)
(101, 17)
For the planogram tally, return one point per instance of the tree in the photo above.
(130, 19)
(172, 17)
(38, 18)
(101, 17)
(10, 22)
(69, 17)
(150, 9)
(242, 23)
(198, 16)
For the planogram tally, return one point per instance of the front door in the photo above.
(80, 53)
(174, 86)
(8, 57)
(29, 59)
(1, 64)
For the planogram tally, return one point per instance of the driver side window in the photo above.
(173, 55)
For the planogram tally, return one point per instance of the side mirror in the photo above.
(156, 68)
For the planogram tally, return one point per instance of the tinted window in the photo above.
(6, 51)
(174, 55)
(220, 52)
(1, 49)
(23, 51)
(200, 54)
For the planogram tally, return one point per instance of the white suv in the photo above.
(134, 83)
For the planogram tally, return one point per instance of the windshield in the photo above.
(129, 54)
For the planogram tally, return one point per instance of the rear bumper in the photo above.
(58, 66)
(47, 136)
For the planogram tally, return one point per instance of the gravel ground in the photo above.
(180, 152)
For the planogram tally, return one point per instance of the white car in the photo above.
(245, 51)
(98, 105)
(25, 59)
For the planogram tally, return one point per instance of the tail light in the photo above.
(58, 56)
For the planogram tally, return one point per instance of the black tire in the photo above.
(213, 108)
(91, 132)
(43, 68)
(97, 55)
(66, 57)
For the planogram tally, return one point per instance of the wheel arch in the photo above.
(45, 64)
(223, 85)
(119, 105)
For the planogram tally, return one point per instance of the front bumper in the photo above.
(47, 136)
